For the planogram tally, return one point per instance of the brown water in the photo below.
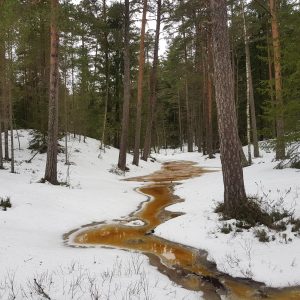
(184, 265)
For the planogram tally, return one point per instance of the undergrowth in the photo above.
(264, 214)
(5, 203)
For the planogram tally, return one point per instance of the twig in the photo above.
(40, 290)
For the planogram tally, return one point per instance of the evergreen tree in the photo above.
(51, 164)
(234, 190)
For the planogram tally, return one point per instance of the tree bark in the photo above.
(187, 100)
(137, 141)
(209, 128)
(250, 93)
(51, 164)
(1, 151)
(280, 144)
(271, 86)
(179, 121)
(125, 116)
(102, 143)
(153, 87)
(66, 113)
(10, 112)
(234, 190)
(2, 95)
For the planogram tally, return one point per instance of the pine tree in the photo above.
(234, 190)
(136, 153)
(51, 164)
(126, 83)
(280, 144)
(153, 87)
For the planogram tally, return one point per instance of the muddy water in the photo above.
(184, 265)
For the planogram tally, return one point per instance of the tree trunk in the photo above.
(102, 143)
(280, 144)
(188, 116)
(179, 121)
(187, 100)
(6, 150)
(248, 127)
(5, 100)
(66, 115)
(125, 116)
(153, 87)
(234, 190)
(1, 152)
(2, 96)
(204, 102)
(250, 93)
(198, 62)
(10, 112)
(51, 164)
(73, 123)
(209, 128)
(136, 153)
(271, 86)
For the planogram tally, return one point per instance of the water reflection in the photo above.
(184, 265)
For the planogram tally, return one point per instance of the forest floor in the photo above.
(35, 262)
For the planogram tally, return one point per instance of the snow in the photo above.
(32, 245)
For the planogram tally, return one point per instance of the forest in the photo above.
(203, 95)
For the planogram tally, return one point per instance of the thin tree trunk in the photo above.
(204, 102)
(6, 150)
(102, 143)
(248, 127)
(5, 113)
(5, 100)
(250, 93)
(234, 190)
(271, 86)
(179, 121)
(188, 116)
(51, 164)
(187, 101)
(153, 87)
(125, 117)
(198, 61)
(137, 140)
(73, 95)
(10, 111)
(2, 96)
(164, 136)
(66, 116)
(1, 152)
(280, 143)
(209, 134)
(12, 156)
(248, 78)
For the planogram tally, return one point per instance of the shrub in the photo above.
(5, 203)
(262, 235)
(227, 228)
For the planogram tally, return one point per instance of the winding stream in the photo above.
(184, 265)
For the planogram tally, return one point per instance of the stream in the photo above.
(186, 266)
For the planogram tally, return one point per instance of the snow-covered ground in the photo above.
(32, 247)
